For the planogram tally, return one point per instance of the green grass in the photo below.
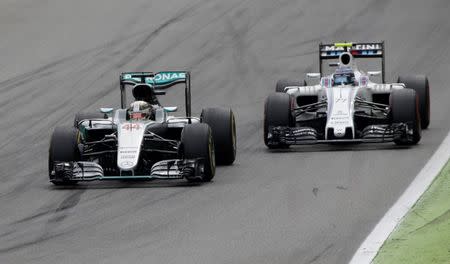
(423, 236)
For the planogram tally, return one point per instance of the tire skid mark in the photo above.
(367, 14)
(103, 53)
(139, 47)
(47, 70)
(189, 35)
(58, 215)
(322, 253)
(30, 243)
(101, 93)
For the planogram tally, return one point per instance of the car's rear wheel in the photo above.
(277, 112)
(404, 108)
(86, 115)
(63, 148)
(197, 142)
(283, 83)
(420, 84)
(223, 127)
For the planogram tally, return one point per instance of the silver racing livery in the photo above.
(142, 139)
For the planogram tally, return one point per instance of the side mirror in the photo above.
(106, 110)
(326, 82)
(374, 73)
(313, 75)
(159, 92)
(170, 109)
(363, 81)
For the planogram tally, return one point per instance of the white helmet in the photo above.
(140, 110)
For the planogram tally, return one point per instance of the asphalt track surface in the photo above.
(307, 205)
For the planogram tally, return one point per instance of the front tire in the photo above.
(197, 142)
(223, 127)
(277, 112)
(63, 148)
(404, 108)
(420, 84)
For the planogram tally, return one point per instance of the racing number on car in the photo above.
(130, 127)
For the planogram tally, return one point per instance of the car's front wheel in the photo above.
(420, 84)
(404, 109)
(277, 112)
(63, 148)
(197, 143)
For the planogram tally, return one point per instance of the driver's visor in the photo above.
(137, 115)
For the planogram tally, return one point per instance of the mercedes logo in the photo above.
(126, 163)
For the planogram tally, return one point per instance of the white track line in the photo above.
(369, 248)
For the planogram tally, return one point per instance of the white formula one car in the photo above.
(346, 106)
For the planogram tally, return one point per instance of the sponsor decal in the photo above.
(333, 48)
(128, 151)
(126, 163)
(131, 126)
(128, 157)
(341, 100)
(166, 77)
(367, 47)
(335, 121)
(130, 77)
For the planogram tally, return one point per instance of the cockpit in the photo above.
(344, 79)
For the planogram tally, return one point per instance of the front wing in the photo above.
(306, 135)
(90, 171)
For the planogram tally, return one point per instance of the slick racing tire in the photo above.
(277, 112)
(420, 84)
(63, 148)
(197, 142)
(404, 108)
(281, 84)
(86, 115)
(223, 128)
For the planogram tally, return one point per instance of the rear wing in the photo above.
(159, 81)
(358, 50)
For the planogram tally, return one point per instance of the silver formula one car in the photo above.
(143, 141)
(347, 105)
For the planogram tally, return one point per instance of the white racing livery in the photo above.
(346, 106)
(143, 141)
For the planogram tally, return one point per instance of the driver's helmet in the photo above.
(344, 79)
(140, 110)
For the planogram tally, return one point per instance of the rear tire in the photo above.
(197, 142)
(223, 128)
(63, 148)
(404, 108)
(281, 84)
(277, 112)
(420, 84)
(86, 115)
